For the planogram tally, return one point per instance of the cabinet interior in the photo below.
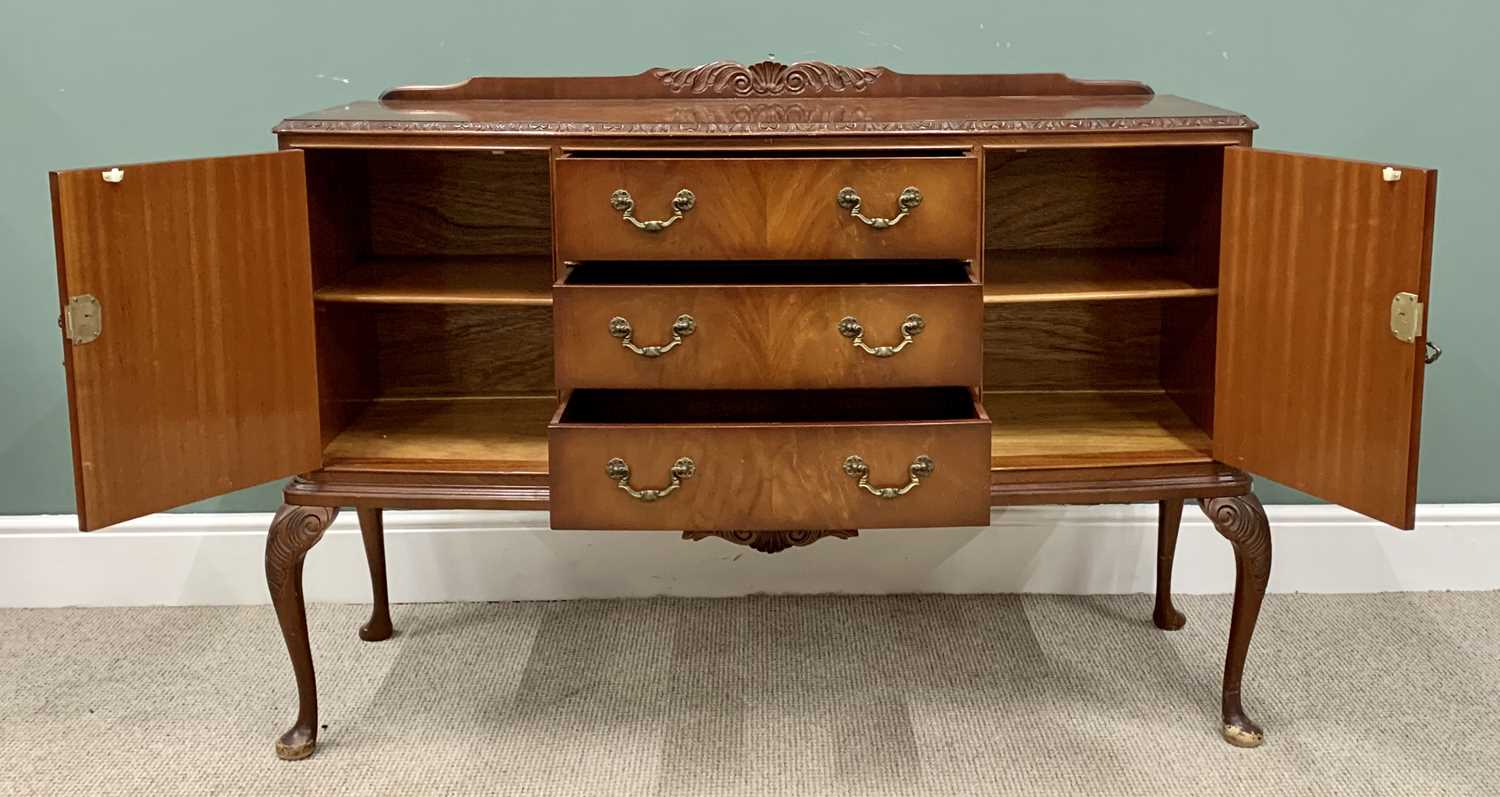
(433, 273)
(1101, 284)
(432, 281)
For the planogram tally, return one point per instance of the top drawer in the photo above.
(737, 207)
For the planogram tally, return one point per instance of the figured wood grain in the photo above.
(524, 280)
(1056, 429)
(767, 336)
(457, 350)
(500, 433)
(459, 203)
(769, 475)
(1079, 198)
(766, 208)
(203, 380)
(1108, 345)
(1064, 275)
(1312, 389)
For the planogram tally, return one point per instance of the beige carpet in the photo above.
(942, 695)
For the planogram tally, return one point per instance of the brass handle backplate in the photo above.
(849, 200)
(921, 468)
(681, 328)
(682, 469)
(850, 327)
(682, 203)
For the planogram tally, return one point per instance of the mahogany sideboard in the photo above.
(768, 303)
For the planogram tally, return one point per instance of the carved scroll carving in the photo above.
(766, 79)
(770, 113)
(294, 531)
(772, 541)
(1242, 520)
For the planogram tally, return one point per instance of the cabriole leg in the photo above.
(1242, 521)
(294, 531)
(372, 528)
(1168, 518)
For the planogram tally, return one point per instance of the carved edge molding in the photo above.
(772, 541)
(766, 78)
(1144, 123)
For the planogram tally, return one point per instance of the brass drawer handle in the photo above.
(681, 328)
(849, 200)
(682, 469)
(921, 468)
(682, 203)
(850, 327)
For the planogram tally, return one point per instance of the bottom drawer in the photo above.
(769, 460)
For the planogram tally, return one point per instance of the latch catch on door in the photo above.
(82, 319)
(1406, 317)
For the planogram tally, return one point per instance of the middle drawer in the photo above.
(759, 325)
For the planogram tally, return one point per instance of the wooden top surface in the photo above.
(725, 98)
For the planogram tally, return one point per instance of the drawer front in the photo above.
(768, 336)
(766, 208)
(770, 477)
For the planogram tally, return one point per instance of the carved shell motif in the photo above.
(772, 541)
(766, 79)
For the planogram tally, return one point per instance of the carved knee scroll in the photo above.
(294, 531)
(1242, 521)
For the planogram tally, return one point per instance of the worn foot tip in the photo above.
(1244, 735)
(295, 745)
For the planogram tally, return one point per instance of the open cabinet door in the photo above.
(1314, 388)
(188, 318)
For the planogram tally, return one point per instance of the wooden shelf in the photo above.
(1057, 429)
(508, 434)
(1077, 275)
(504, 434)
(514, 280)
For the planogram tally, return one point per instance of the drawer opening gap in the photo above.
(865, 272)
(766, 154)
(756, 407)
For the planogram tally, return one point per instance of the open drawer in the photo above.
(769, 460)
(767, 325)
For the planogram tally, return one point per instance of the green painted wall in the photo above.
(86, 83)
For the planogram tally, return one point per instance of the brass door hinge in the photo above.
(1406, 317)
(82, 319)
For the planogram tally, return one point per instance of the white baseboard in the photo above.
(179, 559)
